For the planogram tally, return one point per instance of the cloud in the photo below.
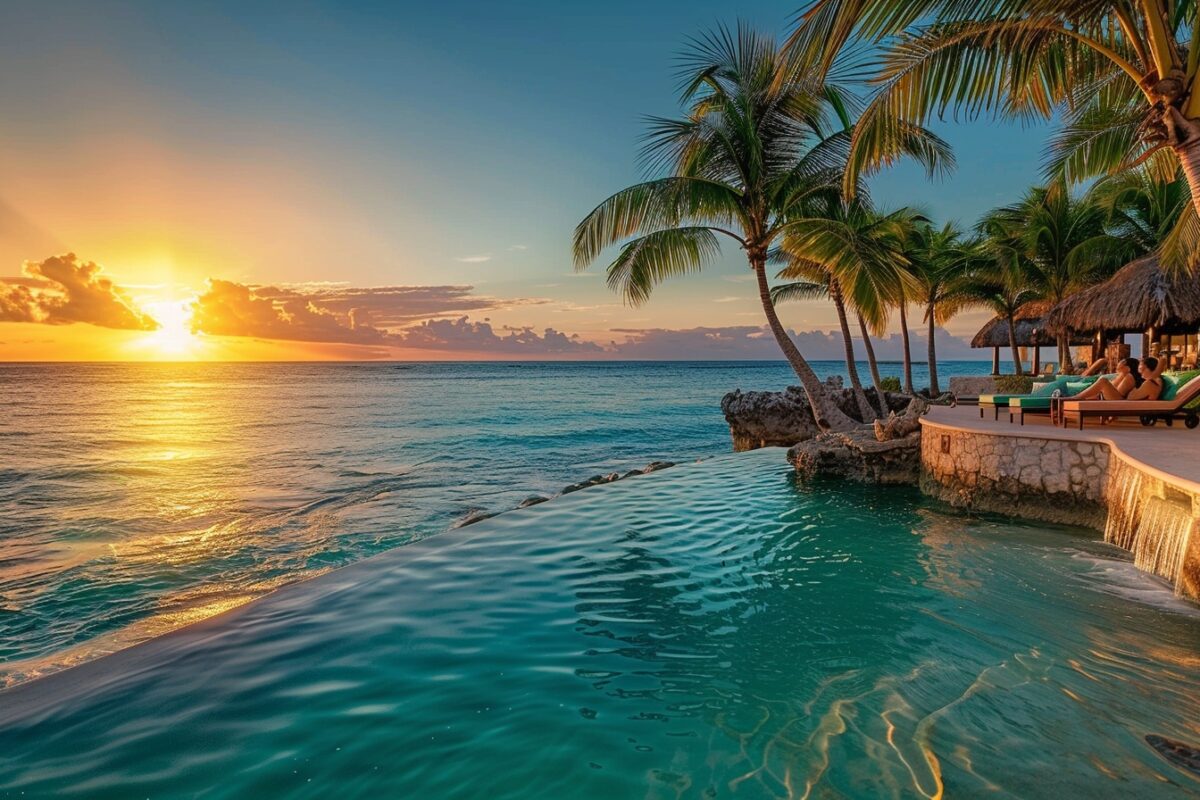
(371, 316)
(234, 309)
(461, 334)
(752, 342)
(518, 247)
(732, 299)
(62, 290)
(479, 259)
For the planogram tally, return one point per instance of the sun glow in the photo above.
(174, 338)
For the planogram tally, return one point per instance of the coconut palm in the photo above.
(823, 284)
(1004, 294)
(757, 144)
(938, 260)
(857, 252)
(1141, 209)
(1123, 76)
(1058, 241)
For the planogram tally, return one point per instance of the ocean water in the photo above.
(710, 631)
(138, 498)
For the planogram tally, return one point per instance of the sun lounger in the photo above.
(1180, 400)
(1040, 392)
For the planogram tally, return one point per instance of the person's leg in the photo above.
(1093, 391)
(1108, 391)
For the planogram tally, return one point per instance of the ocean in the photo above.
(136, 498)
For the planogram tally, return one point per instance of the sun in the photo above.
(174, 337)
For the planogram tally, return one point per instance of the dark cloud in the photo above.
(391, 306)
(462, 334)
(62, 290)
(752, 343)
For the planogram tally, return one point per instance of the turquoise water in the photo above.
(137, 498)
(708, 631)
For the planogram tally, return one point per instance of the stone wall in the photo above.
(1073, 482)
(1042, 479)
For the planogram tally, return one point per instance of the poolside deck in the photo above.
(1168, 453)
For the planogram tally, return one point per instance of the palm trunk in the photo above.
(864, 407)
(908, 386)
(1012, 342)
(826, 413)
(871, 362)
(1189, 159)
(934, 389)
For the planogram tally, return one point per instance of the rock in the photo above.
(781, 419)
(858, 455)
(633, 472)
(532, 500)
(897, 427)
(595, 480)
(475, 516)
(655, 466)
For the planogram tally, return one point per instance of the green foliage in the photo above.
(1014, 384)
(890, 384)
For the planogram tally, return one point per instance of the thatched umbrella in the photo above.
(1030, 329)
(1140, 297)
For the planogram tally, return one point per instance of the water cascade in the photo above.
(1144, 518)
(1125, 493)
(1162, 537)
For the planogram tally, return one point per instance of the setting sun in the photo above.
(174, 338)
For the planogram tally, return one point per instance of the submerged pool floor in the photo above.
(710, 631)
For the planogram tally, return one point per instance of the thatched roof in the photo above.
(1140, 296)
(1031, 317)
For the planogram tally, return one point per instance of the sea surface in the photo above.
(714, 630)
(135, 498)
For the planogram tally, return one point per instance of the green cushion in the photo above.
(1173, 381)
(996, 399)
(1075, 387)
(1047, 389)
(1029, 403)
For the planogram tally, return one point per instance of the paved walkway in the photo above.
(1172, 453)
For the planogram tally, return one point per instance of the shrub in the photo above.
(1014, 384)
(889, 384)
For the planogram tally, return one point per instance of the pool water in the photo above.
(713, 630)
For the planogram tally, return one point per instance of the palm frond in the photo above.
(649, 260)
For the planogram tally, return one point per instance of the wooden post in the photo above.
(1037, 359)
(995, 360)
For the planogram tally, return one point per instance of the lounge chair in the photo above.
(1181, 399)
(1041, 390)
(1041, 402)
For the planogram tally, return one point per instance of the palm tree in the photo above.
(1058, 241)
(756, 146)
(1141, 210)
(857, 254)
(824, 285)
(1124, 76)
(1004, 294)
(938, 259)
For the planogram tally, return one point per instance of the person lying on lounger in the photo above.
(1134, 381)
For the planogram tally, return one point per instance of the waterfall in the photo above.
(1155, 529)
(1162, 537)
(1124, 505)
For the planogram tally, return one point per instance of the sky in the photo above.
(375, 180)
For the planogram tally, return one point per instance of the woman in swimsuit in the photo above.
(1134, 381)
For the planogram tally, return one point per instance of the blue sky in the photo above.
(380, 143)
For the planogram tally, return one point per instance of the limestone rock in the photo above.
(532, 500)
(781, 419)
(858, 455)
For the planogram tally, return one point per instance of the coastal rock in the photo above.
(781, 419)
(532, 500)
(655, 466)
(475, 516)
(858, 455)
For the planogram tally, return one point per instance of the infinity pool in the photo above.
(710, 631)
